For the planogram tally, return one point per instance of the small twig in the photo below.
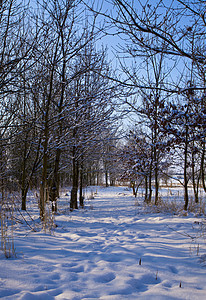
(26, 221)
(184, 234)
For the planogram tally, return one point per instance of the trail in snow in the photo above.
(112, 249)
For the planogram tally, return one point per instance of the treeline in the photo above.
(162, 58)
(57, 116)
(60, 98)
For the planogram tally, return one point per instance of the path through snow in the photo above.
(96, 253)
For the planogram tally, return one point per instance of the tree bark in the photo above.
(133, 188)
(186, 196)
(81, 197)
(43, 185)
(194, 182)
(150, 186)
(106, 178)
(202, 166)
(54, 190)
(75, 179)
(146, 188)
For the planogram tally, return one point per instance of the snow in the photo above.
(115, 249)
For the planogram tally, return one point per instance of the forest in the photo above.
(101, 93)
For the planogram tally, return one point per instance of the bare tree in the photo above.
(15, 51)
(58, 46)
(175, 31)
(91, 112)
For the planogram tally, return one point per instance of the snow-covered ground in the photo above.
(113, 249)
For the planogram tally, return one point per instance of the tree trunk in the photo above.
(156, 176)
(112, 182)
(156, 187)
(150, 185)
(54, 190)
(155, 152)
(24, 191)
(43, 185)
(202, 167)
(75, 179)
(2, 173)
(81, 197)
(133, 188)
(26, 180)
(55, 183)
(23, 198)
(195, 185)
(186, 196)
(106, 178)
(146, 188)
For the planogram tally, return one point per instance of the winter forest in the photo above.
(105, 93)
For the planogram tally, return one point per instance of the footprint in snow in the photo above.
(142, 236)
(55, 276)
(105, 278)
(69, 265)
(173, 269)
(142, 283)
(73, 277)
(77, 269)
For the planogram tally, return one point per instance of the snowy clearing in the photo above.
(113, 249)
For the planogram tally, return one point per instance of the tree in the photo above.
(15, 51)
(166, 30)
(182, 124)
(136, 160)
(59, 46)
(90, 110)
(148, 106)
